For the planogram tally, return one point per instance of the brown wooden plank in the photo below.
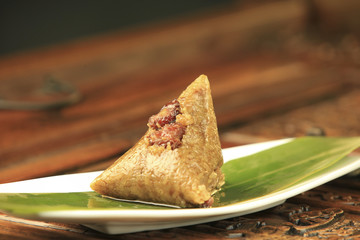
(57, 162)
(112, 114)
(126, 77)
(161, 46)
(17, 228)
(336, 116)
(124, 80)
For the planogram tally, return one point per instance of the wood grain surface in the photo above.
(271, 77)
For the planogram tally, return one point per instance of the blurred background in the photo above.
(26, 25)
(79, 79)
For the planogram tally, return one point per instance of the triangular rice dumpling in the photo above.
(177, 161)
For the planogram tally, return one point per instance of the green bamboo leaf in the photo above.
(283, 166)
(32, 203)
(249, 177)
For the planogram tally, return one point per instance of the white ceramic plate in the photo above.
(122, 220)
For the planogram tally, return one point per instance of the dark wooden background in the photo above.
(277, 69)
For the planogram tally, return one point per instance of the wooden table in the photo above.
(285, 85)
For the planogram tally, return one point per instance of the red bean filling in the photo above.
(167, 131)
(166, 115)
(208, 203)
